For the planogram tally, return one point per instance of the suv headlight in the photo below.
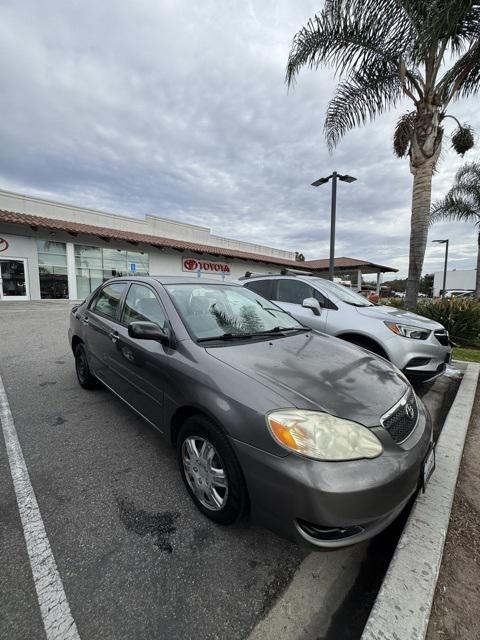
(322, 436)
(407, 331)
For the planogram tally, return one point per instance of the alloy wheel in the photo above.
(205, 472)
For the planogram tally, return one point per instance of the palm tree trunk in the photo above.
(421, 199)
(477, 280)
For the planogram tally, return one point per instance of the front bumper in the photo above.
(357, 498)
(420, 360)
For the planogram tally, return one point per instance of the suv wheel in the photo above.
(210, 470)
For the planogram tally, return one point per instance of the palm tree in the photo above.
(462, 203)
(385, 50)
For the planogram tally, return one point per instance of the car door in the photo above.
(289, 294)
(142, 365)
(101, 322)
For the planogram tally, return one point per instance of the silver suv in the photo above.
(420, 347)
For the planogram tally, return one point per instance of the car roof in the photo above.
(175, 280)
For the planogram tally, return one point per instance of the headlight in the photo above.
(407, 331)
(322, 436)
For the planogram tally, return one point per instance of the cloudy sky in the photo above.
(179, 108)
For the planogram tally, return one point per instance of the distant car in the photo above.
(317, 439)
(459, 293)
(420, 347)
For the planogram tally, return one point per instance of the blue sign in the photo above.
(133, 267)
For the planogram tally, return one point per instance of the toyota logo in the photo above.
(190, 264)
(409, 411)
(3, 244)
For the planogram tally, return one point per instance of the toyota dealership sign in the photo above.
(194, 265)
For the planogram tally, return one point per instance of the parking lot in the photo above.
(136, 559)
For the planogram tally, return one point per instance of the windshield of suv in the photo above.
(343, 293)
(222, 312)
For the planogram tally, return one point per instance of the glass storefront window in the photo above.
(94, 265)
(52, 265)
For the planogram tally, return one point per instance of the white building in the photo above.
(462, 279)
(55, 250)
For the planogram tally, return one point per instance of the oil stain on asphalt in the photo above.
(161, 526)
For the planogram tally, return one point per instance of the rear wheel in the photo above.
(85, 377)
(210, 470)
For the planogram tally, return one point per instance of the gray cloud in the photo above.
(179, 109)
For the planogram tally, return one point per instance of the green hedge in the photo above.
(460, 317)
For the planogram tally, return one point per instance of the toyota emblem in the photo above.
(191, 264)
(3, 244)
(409, 411)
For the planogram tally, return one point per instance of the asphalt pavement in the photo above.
(136, 558)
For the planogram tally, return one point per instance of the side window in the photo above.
(142, 304)
(293, 291)
(108, 299)
(262, 287)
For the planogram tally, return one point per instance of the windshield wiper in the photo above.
(277, 330)
(242, 336)
(226, 336)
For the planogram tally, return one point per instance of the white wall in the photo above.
(26, 249)
(167, 262)
(150, 224)
(458, 279)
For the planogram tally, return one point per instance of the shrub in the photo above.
(460, 317)
(399, 303)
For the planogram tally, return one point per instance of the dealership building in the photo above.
(53, 250)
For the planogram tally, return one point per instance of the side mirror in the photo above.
(142, 330)
(313, 304)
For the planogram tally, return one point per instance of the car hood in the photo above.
(318, 372)
(393, 314)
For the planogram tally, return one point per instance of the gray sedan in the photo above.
(317, 439)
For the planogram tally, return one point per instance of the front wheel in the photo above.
(85, 377)
(210, 470)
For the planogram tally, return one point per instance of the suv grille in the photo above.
(442, 336)
(400, 421)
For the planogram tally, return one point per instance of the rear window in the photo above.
(262, 287)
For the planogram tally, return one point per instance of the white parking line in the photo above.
(55, 610)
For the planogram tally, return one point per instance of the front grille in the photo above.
(400, 421)
(442, 336)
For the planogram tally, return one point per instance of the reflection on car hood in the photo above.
(399, 315)
(314, 371)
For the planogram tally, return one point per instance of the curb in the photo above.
(402, 608)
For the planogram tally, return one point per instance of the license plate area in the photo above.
(428, 468)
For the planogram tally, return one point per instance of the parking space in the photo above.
(136, 558)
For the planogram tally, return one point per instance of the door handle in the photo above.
(113, 336)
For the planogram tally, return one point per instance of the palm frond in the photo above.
(402, 136)
(468, 174)
(463, 78)
(363, 96)
(453, 207)
(337, 37)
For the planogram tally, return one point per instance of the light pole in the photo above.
(445, 242)
(333, 214)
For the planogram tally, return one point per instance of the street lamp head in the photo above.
(320, 181)
(440, 241)
(347, 178)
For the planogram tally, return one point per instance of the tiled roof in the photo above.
(346, 263)
(130, 236)
(76, 228)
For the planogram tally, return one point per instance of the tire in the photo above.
(84, 376)
(202, 474)
(365, 344)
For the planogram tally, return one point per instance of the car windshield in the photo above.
(211, 311)
(343, 293)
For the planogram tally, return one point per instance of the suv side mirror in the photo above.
(142, 330)
(313, 304)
